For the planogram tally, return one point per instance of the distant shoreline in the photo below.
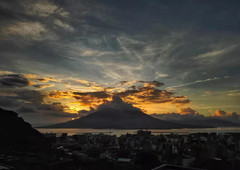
(118, 132)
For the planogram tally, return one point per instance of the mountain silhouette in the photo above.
(118, 114)
(200, 120)
(214, 122)
(16, 134)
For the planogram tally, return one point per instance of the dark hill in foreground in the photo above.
(16, 134)
(119, 115)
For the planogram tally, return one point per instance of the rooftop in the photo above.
(174, 167)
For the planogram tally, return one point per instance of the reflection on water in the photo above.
(119, 132)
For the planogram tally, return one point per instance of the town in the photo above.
(134, 151)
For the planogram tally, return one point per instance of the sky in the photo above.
(61, 59)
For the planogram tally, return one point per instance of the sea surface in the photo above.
(119, 132)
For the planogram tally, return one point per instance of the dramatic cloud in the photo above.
(30, 104)
(149, 93)
(139, 93)
(13, 80)
(85, 48)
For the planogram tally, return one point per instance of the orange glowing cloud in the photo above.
(78, 94)
(145, 95)
(41, 79)
(30, 76)
(85, 82)
(186, 111)
(221, 113)
(59, 94)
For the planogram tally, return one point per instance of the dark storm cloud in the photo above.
(100, 94)
(30, 96)
(34, 26)
(29, 103)
(13, 80)
(25, 102)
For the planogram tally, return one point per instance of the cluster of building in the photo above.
(200, 150)
(140, 151)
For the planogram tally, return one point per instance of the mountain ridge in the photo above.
(197, 120)
(118, 114)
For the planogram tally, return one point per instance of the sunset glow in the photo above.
(60, 60)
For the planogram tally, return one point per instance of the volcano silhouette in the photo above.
(118, 114)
